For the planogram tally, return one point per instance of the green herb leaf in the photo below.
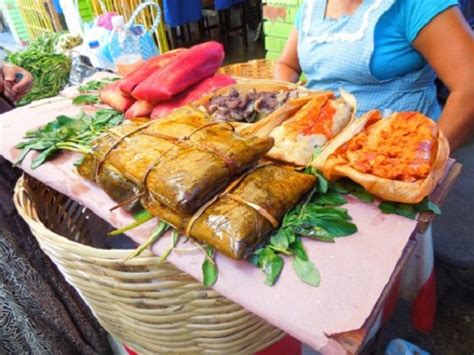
(282, 238)
(330, 227)
(271, 264)
(401, 209)
(323, 211)
(338, 187)
(409, 210)
(323, 239)
(67, 133)
(355, 189)
(142, 215)
(306, 271)
(364, 196)
(427, 206)
(95, 85)
(433, 207)
(330, 199)
(298, 249)
(41, 158)
(322, 182)
(85, 100)
(209, 268)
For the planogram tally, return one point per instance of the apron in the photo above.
(337, 54)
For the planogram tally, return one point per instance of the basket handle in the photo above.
(140, 8)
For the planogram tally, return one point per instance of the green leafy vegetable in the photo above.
(346, 186)
(306, 271)
(409, 210)
(316, 218)
(96, 85)
(209, 268)
(331, 199)
(50, 70)
(85, 100)
(322, 183)
(67, 133)
(142, 215)
(428, 206)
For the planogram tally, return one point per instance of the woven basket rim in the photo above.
(185, 316)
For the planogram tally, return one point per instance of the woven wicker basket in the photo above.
(150, 306)
(255, 69)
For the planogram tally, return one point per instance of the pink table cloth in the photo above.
(354, 270)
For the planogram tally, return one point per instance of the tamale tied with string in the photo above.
(200, 176)
(182, 160)
(239, 218)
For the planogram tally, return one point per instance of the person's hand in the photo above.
(16, 82)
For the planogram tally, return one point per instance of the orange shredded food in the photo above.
(404, 149)
(317, 119)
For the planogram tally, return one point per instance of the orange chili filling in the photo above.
(403, 150)
(317, 119)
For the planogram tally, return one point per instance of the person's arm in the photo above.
(287, 67)
(447, 43)
(14, 89)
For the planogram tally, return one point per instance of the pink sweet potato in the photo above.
(188, 68)
(112, 96)
(191, 94)
(131, 80)
(140, 109)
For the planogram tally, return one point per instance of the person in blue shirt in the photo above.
(388, 54)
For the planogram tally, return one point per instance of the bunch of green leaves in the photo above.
(409, 210)
(336, 190)
(67, 133)
(46, 42)
(345, 186)
(89, 91)
(86, 99)
(96, 85)
(50, 70)
(318, 218)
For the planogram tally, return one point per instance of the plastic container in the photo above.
(96, 56)
(124, 47)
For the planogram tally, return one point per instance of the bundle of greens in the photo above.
(96, 85)
(49, 69)
(89, 91)
(67, 133)
(319, 218)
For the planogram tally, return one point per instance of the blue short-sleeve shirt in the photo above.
(395, 31)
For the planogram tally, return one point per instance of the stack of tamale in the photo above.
(199, 176)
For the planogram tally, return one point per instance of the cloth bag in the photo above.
(148, 47)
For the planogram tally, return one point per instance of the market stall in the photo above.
(328, 286)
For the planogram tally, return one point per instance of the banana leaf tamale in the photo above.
(248, 210)
(182, 161)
